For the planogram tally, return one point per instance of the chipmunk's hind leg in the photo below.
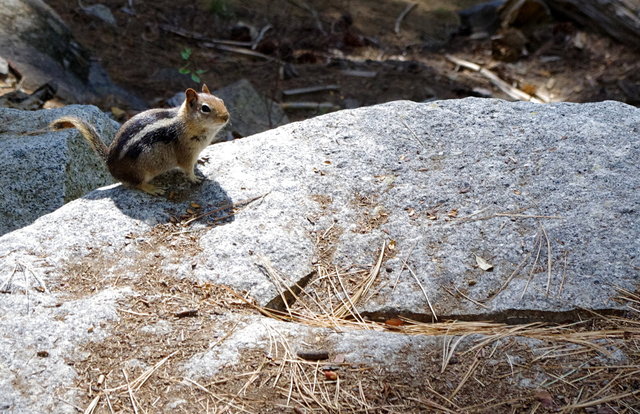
(132, 177)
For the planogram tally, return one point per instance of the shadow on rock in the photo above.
(206, 203)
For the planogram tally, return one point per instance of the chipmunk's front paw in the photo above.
(194, 178)
(151, 189)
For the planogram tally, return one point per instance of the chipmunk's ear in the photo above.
(205, 89)
(192, 97)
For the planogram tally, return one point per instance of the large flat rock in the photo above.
(547, 194)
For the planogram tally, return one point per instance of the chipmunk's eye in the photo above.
(205, 108)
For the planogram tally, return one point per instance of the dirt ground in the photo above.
(348, 43)
(137, 370)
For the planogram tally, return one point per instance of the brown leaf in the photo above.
(529, 88)
(545, 399)
(330, 375)
(394, 322)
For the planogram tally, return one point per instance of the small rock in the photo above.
(102, 12)
(4, 67)
(480, 21)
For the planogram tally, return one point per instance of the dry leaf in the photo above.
(483, 264)
(330, 375)
(394, 322)
(453, 213)
(545, 399)
(529, 88)
(392, 245)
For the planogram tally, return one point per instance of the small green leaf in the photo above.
(195, 78)
(184, 71)
(200, 71)
(186, 53)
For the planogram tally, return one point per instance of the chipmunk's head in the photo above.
(204, 109)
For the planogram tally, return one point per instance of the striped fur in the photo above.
(158, 140)
(146, 130)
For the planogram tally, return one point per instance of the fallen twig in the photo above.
(513, 92)
(133, 400)
(359, 73)
(473, 366)
(309, 105)
(240, 51)
(342, 311)
(520, 266)
(258, 38)
(404, 265)
(600, 401)
(92, 406)
(475, 302)
(310, 89)
(5, 285)
(412, 133)
(424, 292)
(312, 11)
(548, 259)
(197, 36)
(139, 382)
(402, 15)
(537, 240)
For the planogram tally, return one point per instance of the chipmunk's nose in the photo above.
(224, 116)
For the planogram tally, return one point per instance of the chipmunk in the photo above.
(157, 140)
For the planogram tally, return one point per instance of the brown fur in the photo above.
(156, 141)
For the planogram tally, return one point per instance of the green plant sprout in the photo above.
(221, 8)
(185, 54)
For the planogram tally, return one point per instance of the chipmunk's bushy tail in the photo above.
(87, 131)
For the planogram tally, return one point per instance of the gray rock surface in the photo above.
(40, 334)
(525, 187)
(251, 112)
(40, 45)
(43, 170)
(561, 176)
